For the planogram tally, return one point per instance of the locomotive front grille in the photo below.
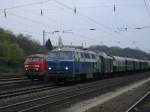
(33, 70)
(58, 72)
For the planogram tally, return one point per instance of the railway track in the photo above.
(134, 107)
(66, 96)
(26, 90)
(11, 79)
(6, 76)
(13, 82)
(19, 84)
(41, 101)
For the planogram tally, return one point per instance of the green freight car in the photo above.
(106, 63)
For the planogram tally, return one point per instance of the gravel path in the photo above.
(143, 105)
(116, 101)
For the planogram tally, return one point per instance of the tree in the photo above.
(28, 45)
(48, 45)
(14, 49)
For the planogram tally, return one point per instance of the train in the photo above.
(71, 64)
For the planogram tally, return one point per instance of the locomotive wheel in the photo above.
(44, 78)
(31, 78)
(83, 77)
(57, 82)
(41, 78)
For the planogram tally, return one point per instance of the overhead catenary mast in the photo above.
(43, 37)
(60, 43)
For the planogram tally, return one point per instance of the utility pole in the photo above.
(82, 45)
(43, 37)
(60, 43)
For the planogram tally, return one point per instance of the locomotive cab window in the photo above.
(35, 58)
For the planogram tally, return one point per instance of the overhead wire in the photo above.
(146, 7)
(93, 21)
(35, 3)
(85, 16)
(45, 17)
(29, 19)
(71, 9)
(26, 5)
(33, 21)
(38, 22)
(68, 7)
(134, 26)
(143, 27)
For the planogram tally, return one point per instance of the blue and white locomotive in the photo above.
(72, 64)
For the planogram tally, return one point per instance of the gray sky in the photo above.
(90, 14)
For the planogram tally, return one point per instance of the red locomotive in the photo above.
(34, 66)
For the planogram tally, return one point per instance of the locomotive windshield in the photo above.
(63, 55)
(35, 58)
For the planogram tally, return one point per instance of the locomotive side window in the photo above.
(93, 56)
(87, 56)
(82, 55)
(61, 55)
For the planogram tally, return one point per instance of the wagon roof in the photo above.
(119, 58)
(131, 59)
(143, 60)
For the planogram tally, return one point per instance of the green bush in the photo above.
(14, 49)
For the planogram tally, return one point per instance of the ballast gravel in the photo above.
(116, 101)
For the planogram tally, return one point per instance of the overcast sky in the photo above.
(109, 18)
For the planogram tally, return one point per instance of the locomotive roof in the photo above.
(66, 49)
(36, 55)
(73, 49)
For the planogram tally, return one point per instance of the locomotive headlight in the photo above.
(26, 66)
(37, 66)
(49, 68)
(66, 68)
(37, 69)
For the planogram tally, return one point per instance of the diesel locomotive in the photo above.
(71, 64)
(35, 66)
